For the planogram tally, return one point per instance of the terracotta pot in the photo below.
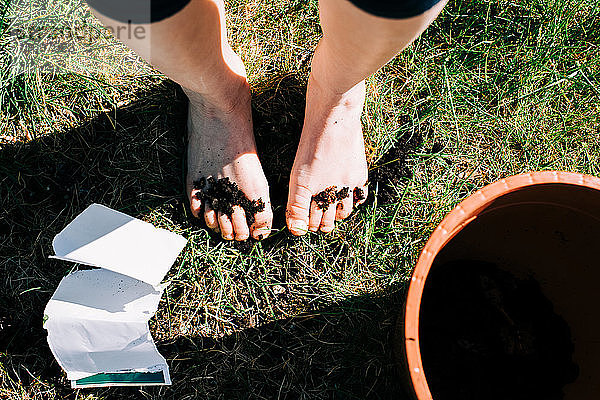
(545, 224)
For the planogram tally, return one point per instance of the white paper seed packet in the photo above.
(97, 320)
(109, 239)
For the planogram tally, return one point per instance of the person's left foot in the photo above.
(331, 153)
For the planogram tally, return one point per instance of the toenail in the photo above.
(260, 234)
(299, 226)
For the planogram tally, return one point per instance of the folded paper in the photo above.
(109, 239)
(97, 320)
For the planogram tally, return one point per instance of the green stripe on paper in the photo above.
(124, 377)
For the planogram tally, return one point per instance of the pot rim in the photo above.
(454, 222)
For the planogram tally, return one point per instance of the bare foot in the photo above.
(221, 144)
(331, 153)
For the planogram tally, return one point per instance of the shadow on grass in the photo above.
(278, 115)
(133, 159)
(129, 159)
(342, 351)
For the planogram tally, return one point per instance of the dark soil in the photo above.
(358, 194)
(488, 335)
(342, 194)
(330, 196)
(222, 194)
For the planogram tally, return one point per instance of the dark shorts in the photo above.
(395, 8)
(145, 11)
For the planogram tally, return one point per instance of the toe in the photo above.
(261, 228)
(298, 209)
(240, 226)
(226, 226)
(343, 209)
(316, 215)
(362, 192)
(328, 220)
(210, 217)
(195, 204)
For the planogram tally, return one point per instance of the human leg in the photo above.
(191, 48)
(355, 45)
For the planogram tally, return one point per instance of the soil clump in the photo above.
(222, 194)
(358, 194)
(488, 335)
(330, 196)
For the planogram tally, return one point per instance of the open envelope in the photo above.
(97, 320)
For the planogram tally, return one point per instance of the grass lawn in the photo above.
(492, 89)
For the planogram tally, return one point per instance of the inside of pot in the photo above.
(550, 232)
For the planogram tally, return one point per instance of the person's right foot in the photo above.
(221, 144)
